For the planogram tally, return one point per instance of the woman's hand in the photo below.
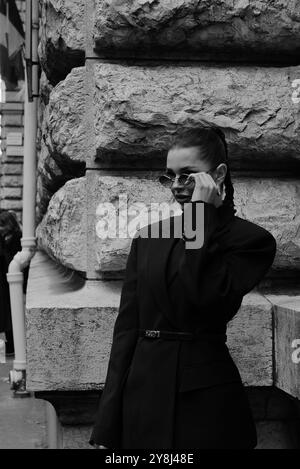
(206, 189)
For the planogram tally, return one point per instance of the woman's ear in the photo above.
(221, 173)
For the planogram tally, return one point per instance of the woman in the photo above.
(171, 382)
(10, 244)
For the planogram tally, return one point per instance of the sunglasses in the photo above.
(183, 179)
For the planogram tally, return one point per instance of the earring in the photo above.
(222, 192)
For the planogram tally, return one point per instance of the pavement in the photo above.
(22, 420)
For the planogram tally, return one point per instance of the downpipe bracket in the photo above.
(17, 379)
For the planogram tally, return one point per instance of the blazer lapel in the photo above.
(158, 255)
(159, 252)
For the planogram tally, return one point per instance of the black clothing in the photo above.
(182, 394)
(7, 253)
(5, 317)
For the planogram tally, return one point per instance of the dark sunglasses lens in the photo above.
(165, 181)
(182, 179)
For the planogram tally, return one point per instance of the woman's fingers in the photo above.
(204, 179)
(205, 187)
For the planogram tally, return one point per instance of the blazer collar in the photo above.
(226, 215)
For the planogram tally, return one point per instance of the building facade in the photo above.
(117, 81)
(12, 140)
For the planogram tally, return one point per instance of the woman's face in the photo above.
(185, 161)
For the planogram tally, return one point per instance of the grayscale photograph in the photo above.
(150, 227)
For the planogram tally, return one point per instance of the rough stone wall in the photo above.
(118, 80)
(200, 30)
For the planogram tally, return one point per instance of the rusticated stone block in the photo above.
(250, 340)
(181, 29)
(275, 205)
(225, 30)
(50, 177)
(61, 150)
(45, 90)
(70, 325)
(76, 437)
(69, 328)
(107, 257)
(62, 41)
(287, 341)
(64, 118)
(62, 232)
(139, 108)
(77, 212)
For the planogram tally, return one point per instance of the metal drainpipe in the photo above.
(28, 241)
(54, 431)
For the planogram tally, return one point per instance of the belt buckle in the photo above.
(152, 334)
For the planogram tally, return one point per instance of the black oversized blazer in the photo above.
(137, 407)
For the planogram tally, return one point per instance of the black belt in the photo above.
(172, 335)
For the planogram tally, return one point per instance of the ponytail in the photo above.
(229, 198)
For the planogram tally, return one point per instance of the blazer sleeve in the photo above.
(108, 423)
(212, 275)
